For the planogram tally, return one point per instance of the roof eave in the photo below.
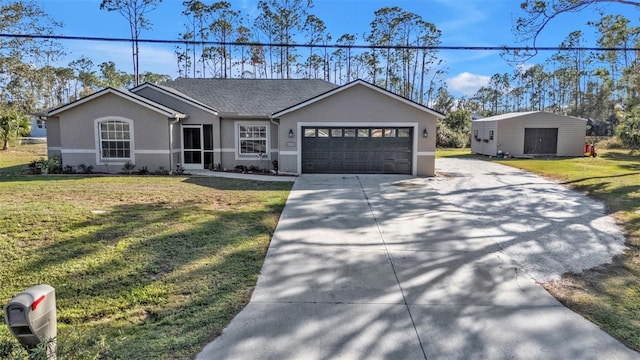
(159, 108)
(193, 102)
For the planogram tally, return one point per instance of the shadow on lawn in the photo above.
(616, 198)
(446, 240)
(238, 184)
(150, 290)
(578, 181)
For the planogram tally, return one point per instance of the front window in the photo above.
(252, 139)
(115, 139)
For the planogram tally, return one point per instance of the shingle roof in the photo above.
(150, 104)
(250, 96)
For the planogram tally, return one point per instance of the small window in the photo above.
(309, 132)
(336, 132)
(349, 132)
(323, 132)
(403, 132)
(363, 132)
(389, 132)
(491, 135)
(253, 139)
(377, 133)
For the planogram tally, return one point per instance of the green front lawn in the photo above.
(144, 267)
(610, 294)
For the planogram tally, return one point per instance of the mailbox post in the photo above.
(31, 317)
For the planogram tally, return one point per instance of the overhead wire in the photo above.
(321, 46)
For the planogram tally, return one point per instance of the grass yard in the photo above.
(608, 295)
(144, 267)
(451, 152)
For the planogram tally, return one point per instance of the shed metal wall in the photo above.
(509, 133)
(483, 144)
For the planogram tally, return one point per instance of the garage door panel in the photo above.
(351, 156)
(357, 150)
(403, 156)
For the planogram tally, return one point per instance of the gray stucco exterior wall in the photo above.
(229, 143)
(159, 119)
(358, 105)
(78, 142)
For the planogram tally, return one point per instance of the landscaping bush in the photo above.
(447, 138)
(611, 143)
(161, 171)
(52, 165)
(85, 169)
(143, 171)
(128, 167)
(454, 131)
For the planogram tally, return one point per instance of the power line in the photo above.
(320, 46)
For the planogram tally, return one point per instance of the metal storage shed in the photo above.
(529, 133)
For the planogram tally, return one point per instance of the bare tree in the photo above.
(540, 13)
(133, 11)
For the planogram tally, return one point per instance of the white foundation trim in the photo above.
(78, 151)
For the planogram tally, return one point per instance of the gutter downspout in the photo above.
(172, 121)
(278, 125)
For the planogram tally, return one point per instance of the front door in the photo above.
(192, 151)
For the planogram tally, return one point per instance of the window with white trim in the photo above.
(252, 139)
(114, 139)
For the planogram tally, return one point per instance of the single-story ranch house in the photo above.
(307, 126)
(529, 133)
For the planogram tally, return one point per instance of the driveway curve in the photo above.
(394, 267)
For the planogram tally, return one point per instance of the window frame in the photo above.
(100, 160)
(238, 140)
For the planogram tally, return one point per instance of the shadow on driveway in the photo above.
(394, 267)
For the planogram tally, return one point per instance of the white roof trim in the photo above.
(178, 96)
(352, 84)
(151, 105)
(514, 115)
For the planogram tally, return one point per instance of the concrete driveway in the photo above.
(393, 267)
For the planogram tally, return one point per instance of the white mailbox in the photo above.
(31, 316)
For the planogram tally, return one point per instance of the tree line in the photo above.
(598, 85)
(587, 84)
(410, 72)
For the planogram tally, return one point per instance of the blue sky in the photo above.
(462, 22)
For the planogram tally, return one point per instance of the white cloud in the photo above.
(467, 83)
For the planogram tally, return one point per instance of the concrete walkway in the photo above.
(393, 267)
